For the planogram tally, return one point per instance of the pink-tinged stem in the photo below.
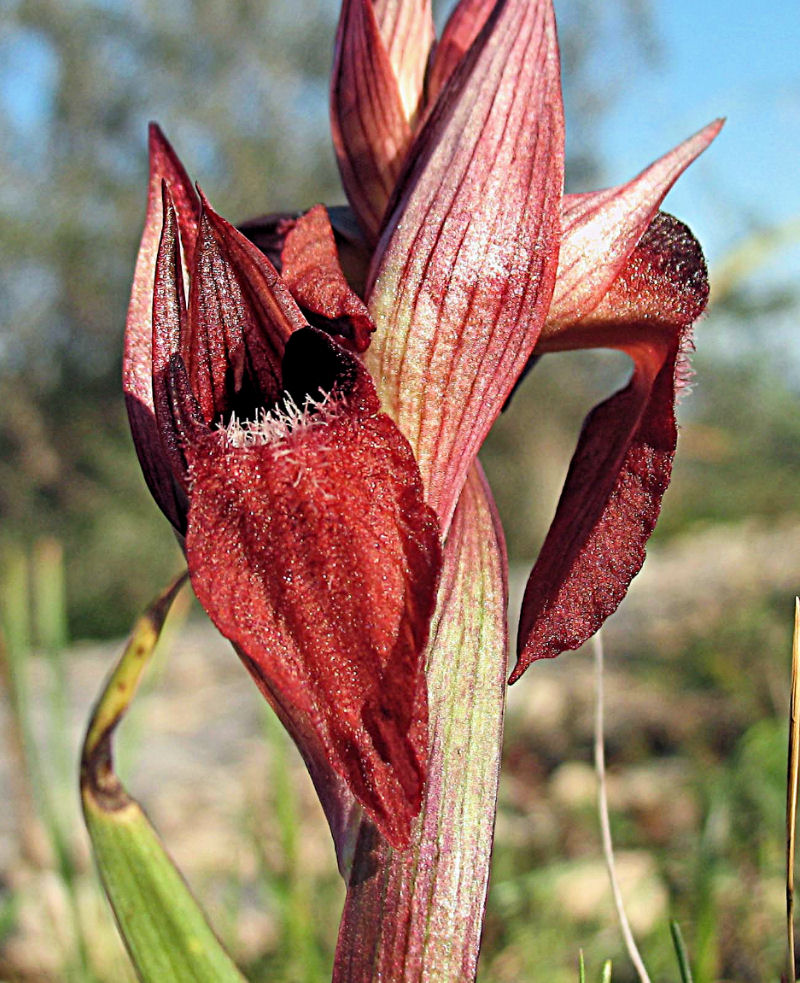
(417, 914)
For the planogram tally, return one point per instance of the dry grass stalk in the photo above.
(605, 825)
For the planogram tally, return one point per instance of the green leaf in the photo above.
(165, 931)
(680, 951)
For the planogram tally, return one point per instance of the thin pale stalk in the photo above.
(605, 825)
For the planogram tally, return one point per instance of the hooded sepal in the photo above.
(240, 317)
(231, 340)
(165, 168)
(622, 466)
(465, 270)
(311, 548)
(417, 915)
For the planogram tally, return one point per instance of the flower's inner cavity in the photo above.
(281, 421)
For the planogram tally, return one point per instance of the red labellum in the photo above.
(622, 466)
(310, 546)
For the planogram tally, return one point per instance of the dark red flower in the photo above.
(299, 503)
(312, 443)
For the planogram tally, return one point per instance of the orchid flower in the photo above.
(299, 504)
(313, 438)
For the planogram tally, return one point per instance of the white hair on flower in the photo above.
(280, 422)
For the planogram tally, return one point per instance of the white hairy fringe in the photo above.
(684, 373)
(271, 426)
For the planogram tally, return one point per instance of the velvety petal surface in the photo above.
(465, 271)
(601, 229)
(622, 466)
(310, 269)
(311, 548)
(371, 132)
(137, 356)
(417, 915)
(341, 809)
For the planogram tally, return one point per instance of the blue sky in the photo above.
(718, 58)
(715, 58)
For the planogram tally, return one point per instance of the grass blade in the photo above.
(680, 952)
(791, 791)
(165, 931)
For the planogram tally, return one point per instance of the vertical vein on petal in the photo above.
(370, 129)
(467, 264)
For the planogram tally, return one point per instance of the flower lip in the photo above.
(307, 534)
(311, 547)
(622, 466)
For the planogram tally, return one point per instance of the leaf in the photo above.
(164, 929)
(680, 951)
